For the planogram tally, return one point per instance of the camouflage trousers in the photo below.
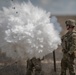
(34, 72)
(67, 63)
(34, 67)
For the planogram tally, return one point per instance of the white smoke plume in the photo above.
(29, 31)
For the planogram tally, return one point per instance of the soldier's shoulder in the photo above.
(63, 36)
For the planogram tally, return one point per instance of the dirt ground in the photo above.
(19, 68)
(10, 67)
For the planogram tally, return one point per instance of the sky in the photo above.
(56, 7)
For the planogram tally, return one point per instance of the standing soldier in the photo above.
(68, 48)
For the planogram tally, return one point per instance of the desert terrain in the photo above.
(8, 66)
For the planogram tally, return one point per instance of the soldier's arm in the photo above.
(73, 44)
(63, 44)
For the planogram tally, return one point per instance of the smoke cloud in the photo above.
(29, 32)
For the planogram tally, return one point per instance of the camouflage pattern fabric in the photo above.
(34, 67)
(68, 48)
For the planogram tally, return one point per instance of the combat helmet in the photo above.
(70, 22)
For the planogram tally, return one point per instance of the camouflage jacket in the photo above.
(69, 42)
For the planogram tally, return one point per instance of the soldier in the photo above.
(68, 48)
(34, 66)
(29, 67)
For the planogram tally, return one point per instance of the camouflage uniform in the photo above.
(68, 48)
(34, 65)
